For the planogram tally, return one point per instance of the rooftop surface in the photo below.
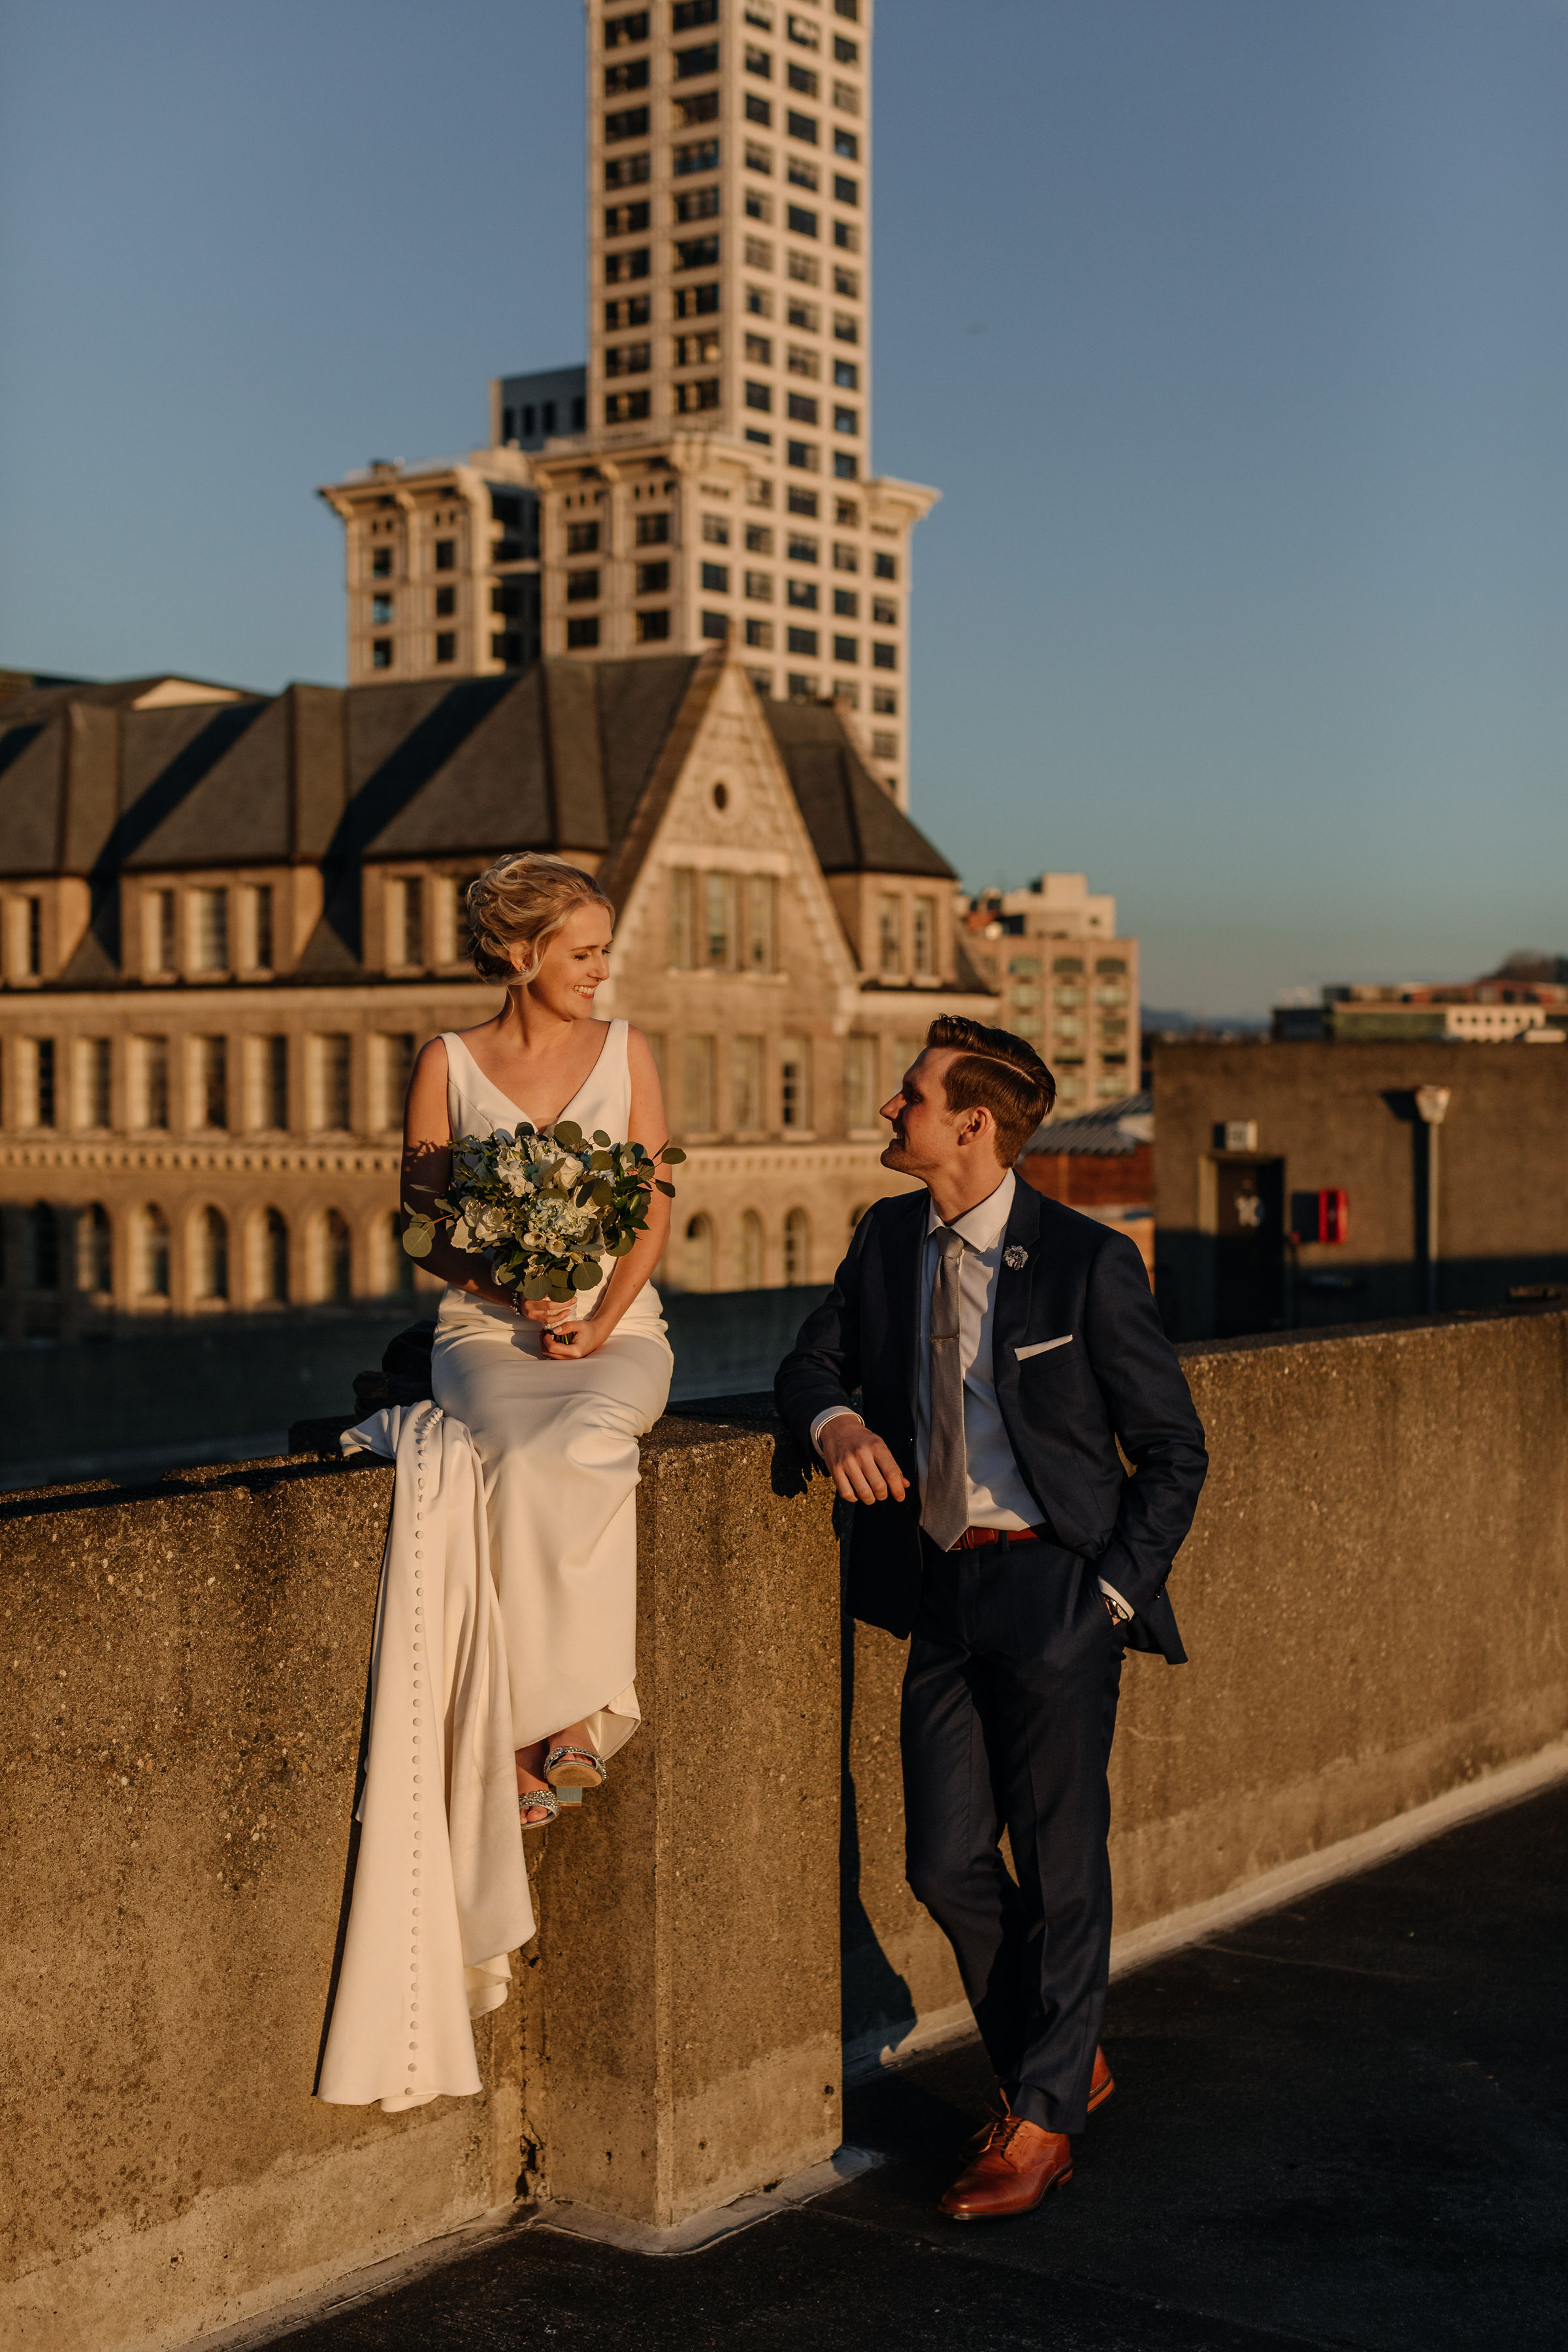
(1341, 2125)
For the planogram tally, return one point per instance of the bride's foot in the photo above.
(537, 1802)
(573, 1761)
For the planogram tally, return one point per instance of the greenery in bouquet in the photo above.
(544, 1206)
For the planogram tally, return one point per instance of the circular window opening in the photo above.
(720, 796)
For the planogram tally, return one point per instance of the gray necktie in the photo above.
(944, 1502)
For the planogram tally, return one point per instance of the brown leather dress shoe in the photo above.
(1101, 2084)
(1014, 2167)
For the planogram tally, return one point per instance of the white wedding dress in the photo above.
(558, 1442)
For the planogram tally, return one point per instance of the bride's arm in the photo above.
(427, 1167)
(647, 1125)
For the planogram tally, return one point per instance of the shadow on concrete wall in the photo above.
(877, 2003)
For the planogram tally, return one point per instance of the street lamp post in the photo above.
(1431, 1104)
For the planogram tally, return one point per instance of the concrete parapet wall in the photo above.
(186, 1670)
(1374, 1602)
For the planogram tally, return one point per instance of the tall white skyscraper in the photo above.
(708, 480)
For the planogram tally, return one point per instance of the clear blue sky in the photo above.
(1233, 332)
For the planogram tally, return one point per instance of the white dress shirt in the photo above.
(997, 1495)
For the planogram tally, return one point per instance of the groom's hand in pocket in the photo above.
(861, 1466)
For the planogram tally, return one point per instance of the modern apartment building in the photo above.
(1068, 982)
(715, 485)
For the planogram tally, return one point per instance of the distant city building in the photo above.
(1102, 1164)
(1295, 1189)
(1068, 982)
(230, 920)
(527, 411)
(706, 479)
(1526, 997)
(442, 562)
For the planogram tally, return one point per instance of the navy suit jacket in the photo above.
(1065, 1410)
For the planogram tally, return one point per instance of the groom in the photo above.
(1003, 1347)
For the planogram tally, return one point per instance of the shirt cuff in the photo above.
(1119, 1608)
(833, 1412)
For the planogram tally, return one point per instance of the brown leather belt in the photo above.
(976, 1538)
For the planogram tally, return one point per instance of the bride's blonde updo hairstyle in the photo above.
(524, 895)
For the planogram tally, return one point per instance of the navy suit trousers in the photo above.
(1009, 1707)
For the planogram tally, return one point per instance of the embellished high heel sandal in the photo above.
(575, 1767)
(541, 1800)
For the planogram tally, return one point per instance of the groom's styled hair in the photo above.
(998, 1073)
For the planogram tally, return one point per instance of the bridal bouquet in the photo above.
(545, 1205)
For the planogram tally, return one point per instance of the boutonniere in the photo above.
(1015, 1257)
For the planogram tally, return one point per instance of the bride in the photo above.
(555, 1400)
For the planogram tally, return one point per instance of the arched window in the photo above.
(152, 1254)
(334, 1259)
(269, 1259)
(797, 1246)
(209, 1255)
(43, 1247)
(698, 1264)
(94, 1249)
(749, 1250)
(395, 1272)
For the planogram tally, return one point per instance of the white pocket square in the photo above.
(1043, 1346)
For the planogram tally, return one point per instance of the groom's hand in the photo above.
(862, 1469)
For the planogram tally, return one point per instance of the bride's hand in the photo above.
(548, 1311)
(569, 1339)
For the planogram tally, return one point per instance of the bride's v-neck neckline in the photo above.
(537, 1123)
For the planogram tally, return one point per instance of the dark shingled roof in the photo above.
(572, 756)
(1111, 1132)
(38, 696)
(854, 827)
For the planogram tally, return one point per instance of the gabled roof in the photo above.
(854, 827)
(572, 756)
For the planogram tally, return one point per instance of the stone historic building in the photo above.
(1067, 981)
(229, 921)
(706, 478)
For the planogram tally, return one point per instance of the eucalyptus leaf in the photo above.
(569, 1134)
(588, 1275)
(534, 1285)
(672, 1155)
(418, 1237)
(601, 1138)
(668, 1190)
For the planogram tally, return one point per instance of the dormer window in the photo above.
(209, 930)
(405, 920)
(891, 935)
(923, 929)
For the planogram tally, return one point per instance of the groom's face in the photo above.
(925, 1141)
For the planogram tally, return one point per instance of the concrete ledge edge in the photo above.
(705, 2229)
(687, 2237)
(871, 2053)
